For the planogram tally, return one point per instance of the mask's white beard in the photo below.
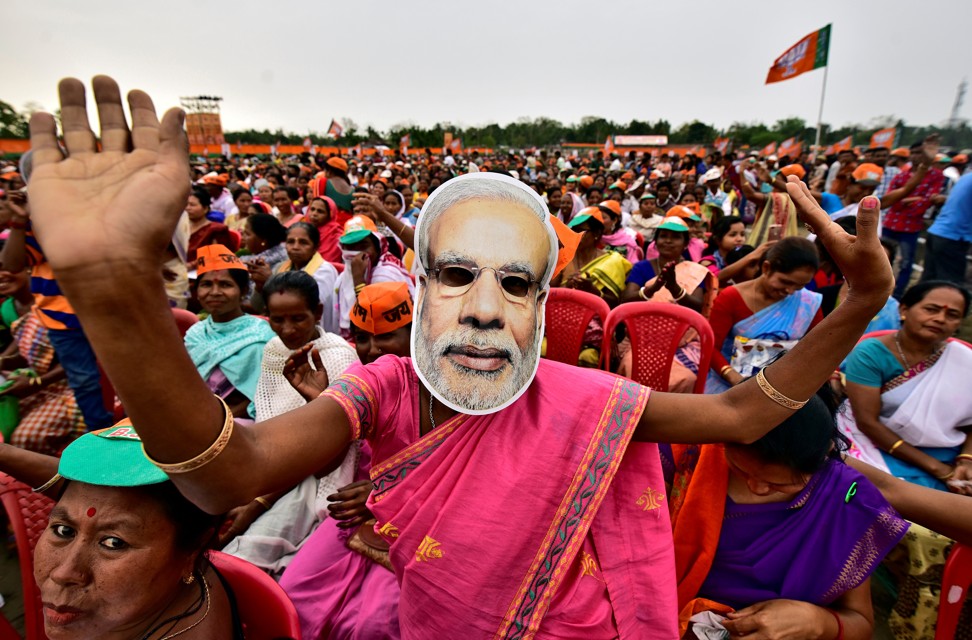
(470, 389)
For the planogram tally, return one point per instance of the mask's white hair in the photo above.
(482, 186)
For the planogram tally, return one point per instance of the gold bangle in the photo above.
(641, 294)
(894, 447)
(724, 369)
(964, 456)
(946, 476)
(47, 485)
(206, 456)
(359, 287)
(263, 502)
(776, 396)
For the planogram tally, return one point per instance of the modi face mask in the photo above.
(485, 253)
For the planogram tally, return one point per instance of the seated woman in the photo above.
(49, 415)
(779, 535)
(366, 261)
(340, 581)
(320, 213)
(263, 238)
(227, 346)
(123, 554)
(203, 231)
(727, 234)
(595, 271)
(672, 279)
(617, 238)
(774, 306)
(270, 529)
(695, 246)
(911, 412)
(302, 255)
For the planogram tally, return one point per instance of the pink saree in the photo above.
(539, 521)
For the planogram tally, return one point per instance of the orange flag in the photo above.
(768, 150)
(608, 145)
(884, 138)
(808, 54)
(844, 145)
(721, 144)
(791, 147)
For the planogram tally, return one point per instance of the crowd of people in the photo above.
(389, 443)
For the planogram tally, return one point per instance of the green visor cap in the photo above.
(354, 236)
(573, 179)
(648, 196)
(579, 220)
(674, 224)
(110, 457)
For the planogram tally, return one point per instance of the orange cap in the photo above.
(338, 163)
(960, 158)
(382, 307)
(587, 182)
(357, 229)
(612, 206)
(901, 152)
(868, 172)
(219, 181)
(216, 257)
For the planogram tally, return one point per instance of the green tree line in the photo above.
(547, 132)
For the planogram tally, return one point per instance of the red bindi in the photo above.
(91, 512)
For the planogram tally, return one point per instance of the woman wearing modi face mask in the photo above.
(366, 261)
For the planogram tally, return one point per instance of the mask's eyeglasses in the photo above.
(460, 279)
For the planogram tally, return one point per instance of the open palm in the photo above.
(119, 204)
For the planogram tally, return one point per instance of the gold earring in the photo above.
(189, 579)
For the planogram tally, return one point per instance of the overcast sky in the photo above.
(295, 64)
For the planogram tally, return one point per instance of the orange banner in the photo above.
(808, 54)
(721, 144)
(768, 150)
(884, 138)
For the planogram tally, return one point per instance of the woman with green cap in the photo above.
(123, 555)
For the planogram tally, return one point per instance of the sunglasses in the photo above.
(462, 278)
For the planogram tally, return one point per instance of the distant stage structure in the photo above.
(203, 124)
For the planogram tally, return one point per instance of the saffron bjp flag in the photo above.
(335, 130)
(609, 145)
(808, 54)
(884, 138)
(844, 145)
(790, 147)
(721, 144)
(768, 150)
(456, 145)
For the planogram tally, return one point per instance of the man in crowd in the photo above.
(905, 220)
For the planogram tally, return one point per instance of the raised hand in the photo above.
(861, 258)
(117, 206)
(308, 382)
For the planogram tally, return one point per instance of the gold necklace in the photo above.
(208, 604)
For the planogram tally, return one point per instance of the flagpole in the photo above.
(823, 92)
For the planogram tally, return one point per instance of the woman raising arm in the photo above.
(84, 206)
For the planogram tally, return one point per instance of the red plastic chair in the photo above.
(266, 611)
(184, 319)
(655, 330)
(956, 580)
(568, 312)
(28, 513)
